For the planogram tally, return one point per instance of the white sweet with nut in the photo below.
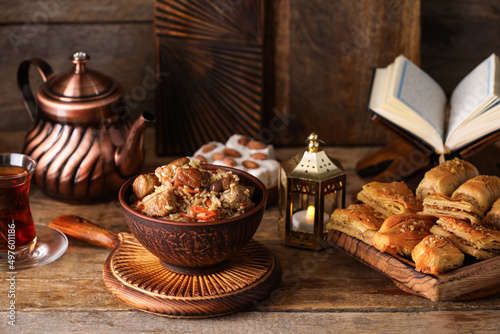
(241, 152)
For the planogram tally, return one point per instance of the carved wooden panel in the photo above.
(210, 57)
(276, 70)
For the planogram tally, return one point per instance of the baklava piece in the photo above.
(390, 198)
(436, 255)
(492, 219)
(440, 205)
(475, 240)
(481, 191)
(446, 178)
(359, 221)
(399, 234)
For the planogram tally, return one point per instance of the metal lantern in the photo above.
(311, 186)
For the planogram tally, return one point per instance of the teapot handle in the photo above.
(23, 82)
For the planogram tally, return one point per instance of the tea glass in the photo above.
(23, 244)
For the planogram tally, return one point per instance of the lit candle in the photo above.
(303, 220)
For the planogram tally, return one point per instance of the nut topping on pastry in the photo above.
(445, 178)
(436, 255)
(399, 234)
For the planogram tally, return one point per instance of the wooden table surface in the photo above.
(325, 292)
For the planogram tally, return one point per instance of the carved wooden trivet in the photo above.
(139, 279)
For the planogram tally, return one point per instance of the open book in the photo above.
(410, 99)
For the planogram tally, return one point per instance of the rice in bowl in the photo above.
(184, 191)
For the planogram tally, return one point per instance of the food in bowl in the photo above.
(184, 191)
(195, 247)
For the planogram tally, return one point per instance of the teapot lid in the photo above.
(80, 83)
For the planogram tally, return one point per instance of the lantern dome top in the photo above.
(313, 163)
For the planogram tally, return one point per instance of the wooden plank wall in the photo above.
(118, 34)
(456, 36)
(332, 49)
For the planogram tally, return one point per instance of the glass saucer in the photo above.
(50, 245)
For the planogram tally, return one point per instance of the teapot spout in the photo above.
(129, 157)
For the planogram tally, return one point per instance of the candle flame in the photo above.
(310, 213)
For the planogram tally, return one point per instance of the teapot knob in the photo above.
(79, 59)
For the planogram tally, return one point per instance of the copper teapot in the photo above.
(82, 137)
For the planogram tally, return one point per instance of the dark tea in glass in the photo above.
(17, 230)
(21, 246)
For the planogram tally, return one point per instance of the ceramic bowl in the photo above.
(196, 248)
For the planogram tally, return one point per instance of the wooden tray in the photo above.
(472, 281)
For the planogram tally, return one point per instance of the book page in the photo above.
(418, 95)
(418, 91)
(473, 95)
(477, 128)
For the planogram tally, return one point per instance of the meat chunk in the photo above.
(226, 182)
(190, 177)
(168, 171)
(160, 203)
(240, 195)
(144, 185)
(205, 179)
(216, 186)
